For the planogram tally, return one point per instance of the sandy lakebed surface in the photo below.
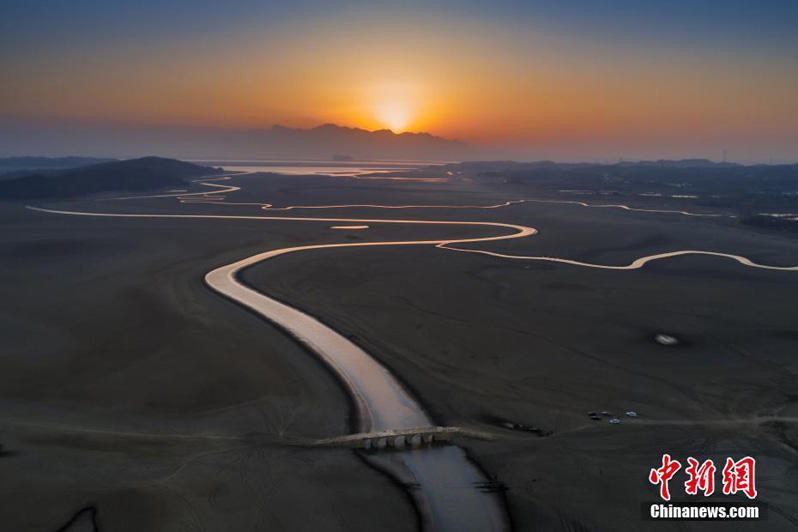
(134, 397)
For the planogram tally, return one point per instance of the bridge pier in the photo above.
(403, 439)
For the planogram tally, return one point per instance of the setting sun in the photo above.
(395, 116)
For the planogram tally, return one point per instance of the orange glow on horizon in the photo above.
(396, 116)
(393, 105)
(494, 87)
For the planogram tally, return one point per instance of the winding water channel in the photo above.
(450, 491)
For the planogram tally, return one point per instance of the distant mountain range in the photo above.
(680, 163)
(278, 142)
(147, 173)
(324, 141)
(329, 141)
(624, 166)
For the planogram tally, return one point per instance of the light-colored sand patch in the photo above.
(666, 339)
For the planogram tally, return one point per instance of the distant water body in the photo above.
(338, 168)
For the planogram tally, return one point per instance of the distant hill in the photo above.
(359, 144)
(36, 163)
(206, 143)
(147, 173)
(662, 163)
(681, 163)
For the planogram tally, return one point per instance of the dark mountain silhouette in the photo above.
(681, 163)
(360, 144)
(625, 168)
(147, 173)
(277, 142)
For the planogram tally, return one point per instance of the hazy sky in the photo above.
(625, 78)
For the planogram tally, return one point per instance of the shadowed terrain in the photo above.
(154, 393)
(146, 173)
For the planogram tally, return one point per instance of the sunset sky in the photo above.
(631, 78)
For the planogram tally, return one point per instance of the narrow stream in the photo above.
(449, 490)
